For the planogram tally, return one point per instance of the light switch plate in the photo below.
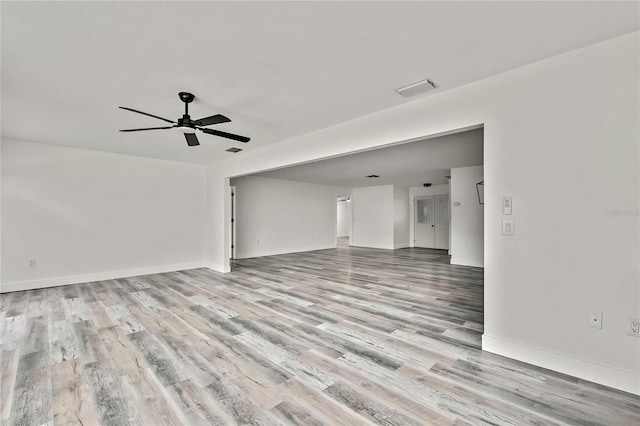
(508, 227)
(507, 205)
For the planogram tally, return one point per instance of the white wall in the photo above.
(467, 219)
(372, 217)
(343, 218)
(88, 215)
(380, 217)
(275, 216)
(0, 215)
(421, 191)
(401, 207)
(561, 137)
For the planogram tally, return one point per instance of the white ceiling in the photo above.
(277, 69)
(410, 164)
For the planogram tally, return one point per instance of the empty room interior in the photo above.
(338, 213)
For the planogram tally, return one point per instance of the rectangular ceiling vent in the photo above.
(416, 88)
(234, 150)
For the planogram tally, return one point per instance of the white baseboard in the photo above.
(260, 253)
(400, 246)
(465, 262)
(99, 276)
(627, 381)
(217, 267)
(375, 246)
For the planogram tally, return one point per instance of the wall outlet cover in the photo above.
(595, 319)
(633, 327)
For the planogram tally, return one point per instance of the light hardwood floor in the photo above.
(341, 337)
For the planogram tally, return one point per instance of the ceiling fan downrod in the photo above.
(187, 98)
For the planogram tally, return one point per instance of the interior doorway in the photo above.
(343, 220)
(232, 227)
(431, 221)
(423, 166)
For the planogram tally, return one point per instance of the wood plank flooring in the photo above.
(348, 336)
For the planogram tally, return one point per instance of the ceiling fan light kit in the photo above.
(188, 126)
(185, 129)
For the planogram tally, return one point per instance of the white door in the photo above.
(424, 223)
(442, 222)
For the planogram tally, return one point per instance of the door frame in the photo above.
(412, 212)
(346, 199)
(232, 228)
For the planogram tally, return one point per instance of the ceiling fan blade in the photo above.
(214, 119)
(148, 128)
(191, 138)
(150, 115)
(238, 138)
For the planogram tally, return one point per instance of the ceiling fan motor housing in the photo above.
(185, 123)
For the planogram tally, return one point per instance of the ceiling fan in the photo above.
(188, 126)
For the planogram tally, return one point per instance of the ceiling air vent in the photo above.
(416, 88)
(234, 150)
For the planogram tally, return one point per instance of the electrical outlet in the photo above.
(32, 263)
(633, 327)
(595, 319)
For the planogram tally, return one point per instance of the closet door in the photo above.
(424, 222)
(442, 222)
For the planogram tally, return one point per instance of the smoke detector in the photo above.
(416, 88)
